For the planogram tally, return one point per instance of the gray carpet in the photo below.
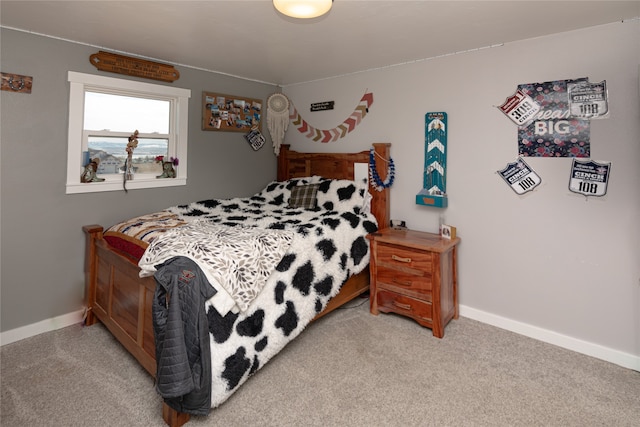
(348, 369)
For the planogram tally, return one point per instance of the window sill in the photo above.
(116, 185)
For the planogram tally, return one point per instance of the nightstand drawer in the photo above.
(404, 280)
(417, 309)
(397, 257)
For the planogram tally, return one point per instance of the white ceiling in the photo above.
(249, 39)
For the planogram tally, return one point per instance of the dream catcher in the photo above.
(277, 119)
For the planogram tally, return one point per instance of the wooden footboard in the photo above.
(119, 298)
(122, 301)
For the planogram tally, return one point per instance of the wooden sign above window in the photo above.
(114, 63)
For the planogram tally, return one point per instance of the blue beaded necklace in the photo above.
(375, 180)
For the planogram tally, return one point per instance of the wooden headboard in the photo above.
(294, 164)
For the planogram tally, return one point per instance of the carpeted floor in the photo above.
(348, 369)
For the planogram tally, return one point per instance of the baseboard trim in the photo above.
(41, 327)
(625, 360)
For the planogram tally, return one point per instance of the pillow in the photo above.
(343, 195)
(279, 192)
(134, 235)
(304, 196)
(125, 244)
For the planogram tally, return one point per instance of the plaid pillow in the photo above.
(304, 196)
(279, 192)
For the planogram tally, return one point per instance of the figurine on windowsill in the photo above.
(90, 170)
(131, 145)
(167, 167)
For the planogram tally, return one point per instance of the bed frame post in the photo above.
(172, 417)
(283, 162)
(380, 205)
(93, 233)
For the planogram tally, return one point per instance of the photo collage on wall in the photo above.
(230, 113)
(553, 120)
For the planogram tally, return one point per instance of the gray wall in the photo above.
(41, 238)
(550, 264)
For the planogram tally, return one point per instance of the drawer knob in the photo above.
(400, 259)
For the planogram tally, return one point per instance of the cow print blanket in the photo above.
(329, 245)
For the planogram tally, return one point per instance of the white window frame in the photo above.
(78, 84)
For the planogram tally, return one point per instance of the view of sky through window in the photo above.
(118, 113)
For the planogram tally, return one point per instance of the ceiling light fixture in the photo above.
(303, 8)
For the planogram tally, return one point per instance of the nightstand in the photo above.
(414, 274)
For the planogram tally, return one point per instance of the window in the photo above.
(104, 112)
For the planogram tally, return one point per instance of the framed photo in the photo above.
(448, 232)
(230, 113)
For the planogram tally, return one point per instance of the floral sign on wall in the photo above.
(550, 129)
(553, 132)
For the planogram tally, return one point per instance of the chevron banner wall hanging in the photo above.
(434, 192)
(340, 131)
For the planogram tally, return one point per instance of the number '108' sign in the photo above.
(520, 177)
(589, 178)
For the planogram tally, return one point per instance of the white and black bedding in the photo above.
(325, 245)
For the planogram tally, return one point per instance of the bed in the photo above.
(123, 301)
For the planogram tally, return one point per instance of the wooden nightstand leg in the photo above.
(438, 332)
(437, 325)
(456, 307)
(373, 304)
(373, 278)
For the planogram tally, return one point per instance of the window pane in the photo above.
(119, 113)
(112, 154)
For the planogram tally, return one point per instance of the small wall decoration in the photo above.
(114, 63)
(589, 178)
(520, 177)
(340, 131)
(16, 83)
(230, 113)
(322, 106)
(588, 100)
(520, 108)
(255, 139)
(434, 187)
